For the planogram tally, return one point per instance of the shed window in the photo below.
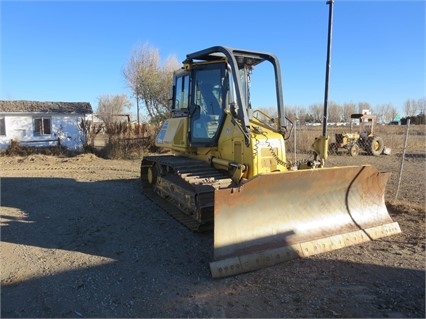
(42, 126)
(2, 126)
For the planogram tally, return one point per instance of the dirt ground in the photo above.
(79, 239)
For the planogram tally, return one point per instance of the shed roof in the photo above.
(37, 106)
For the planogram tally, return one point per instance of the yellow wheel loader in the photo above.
(229, 171)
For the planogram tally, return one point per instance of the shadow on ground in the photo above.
(101, 249)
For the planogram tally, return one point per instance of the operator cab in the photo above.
(200, 94)
(216, 80)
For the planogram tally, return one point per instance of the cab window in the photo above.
(181, 96)
(207, 107)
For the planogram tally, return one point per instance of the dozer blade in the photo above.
(281, 216)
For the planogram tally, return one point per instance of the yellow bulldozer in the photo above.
(228, 170)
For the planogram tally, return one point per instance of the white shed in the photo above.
(34, 123)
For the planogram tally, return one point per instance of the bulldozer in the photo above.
(361, 137)
(227, 171)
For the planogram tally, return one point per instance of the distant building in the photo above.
(40, 124)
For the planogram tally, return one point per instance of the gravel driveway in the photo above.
(79, 239)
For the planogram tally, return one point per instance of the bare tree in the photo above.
(421, 103)
(364, 106)
(150, 81)
(291, 112)
(109, 106)
(334, 112)
(393, 112)
(301, 113)
(317, 111)
(411, 107)
(386, 112)
(348, 110)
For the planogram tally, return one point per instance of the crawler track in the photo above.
(183, 187)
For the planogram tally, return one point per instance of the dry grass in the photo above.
(15, 149)
(122, 145)
(393, 136)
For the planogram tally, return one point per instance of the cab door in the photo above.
(208, 101)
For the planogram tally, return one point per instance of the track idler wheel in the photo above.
(153, 173)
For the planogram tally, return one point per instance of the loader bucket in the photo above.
(281, 216)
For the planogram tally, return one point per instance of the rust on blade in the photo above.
(276, 217)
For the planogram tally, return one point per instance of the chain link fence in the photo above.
(404, 156)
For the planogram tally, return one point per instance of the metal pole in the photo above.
(402, 159)
(328, 65)
(137, 107)
(295, 143)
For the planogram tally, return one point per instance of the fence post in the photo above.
(402, 159)
(295, 143)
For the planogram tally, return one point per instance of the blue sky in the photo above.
(76, 50)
